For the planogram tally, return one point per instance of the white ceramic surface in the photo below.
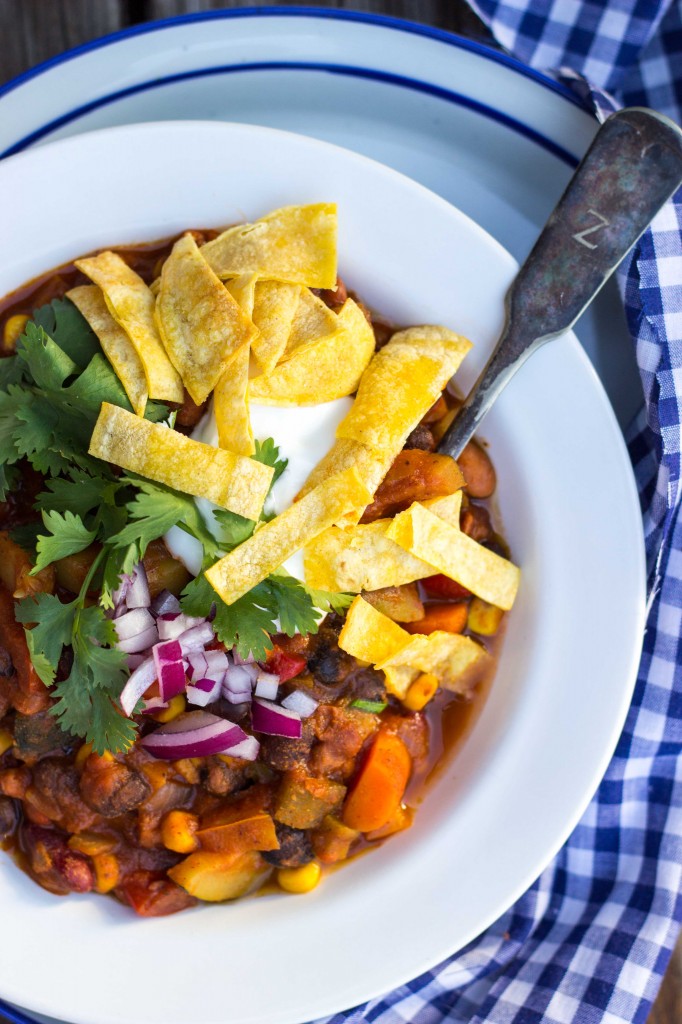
(504, 806)
(492, 137)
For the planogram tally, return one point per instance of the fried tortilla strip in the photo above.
(273, 543)
(200, 323)
(370, 635)
(448, 656)
(243, 291)
(168, 457)
(116, 345)
(322, 370)
(451, 552)
(362, 557)
(131, 303)
(313, 320)
(397, 389)
(296, 244)
(401, 384)
(274, 308)
(231, 405)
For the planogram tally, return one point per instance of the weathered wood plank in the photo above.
(455, 15)
(34, 30)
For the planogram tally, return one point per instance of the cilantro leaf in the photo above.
(12, 371)
(375, 707)
(48, 365)
(232, 529)
(153, 511)
(53, 628)
(68, 534)
(26, 535)
(66, 324)
(79, 492)
(267, 452)
(328, 601)
(244, 624)
(295, 609)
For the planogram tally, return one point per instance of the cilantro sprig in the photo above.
(51, 392)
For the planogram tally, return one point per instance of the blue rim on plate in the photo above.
(396, 24)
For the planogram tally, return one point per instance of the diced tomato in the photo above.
(284, 665)
(152, 895)
(443, 586)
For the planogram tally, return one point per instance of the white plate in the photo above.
(489, 135)
(500, 811)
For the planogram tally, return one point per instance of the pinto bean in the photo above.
(8, 817)
(295, 848)
(111, 789)
(478, 471)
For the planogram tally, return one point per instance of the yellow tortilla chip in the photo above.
(274, 542)
(449, 656)
(168, 457)
(313, 320)
(116, 345)
(401, 384)
(454, 554)
(322, 370)
(200, 323)
(231, 405)
(396, 390)
(243, 291)
(296, 244)
(274, 308)
(358, 558)
(131, 303)
(370, 635)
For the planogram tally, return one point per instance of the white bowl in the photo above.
(502, 808)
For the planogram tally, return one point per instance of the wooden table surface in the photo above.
(34, 30)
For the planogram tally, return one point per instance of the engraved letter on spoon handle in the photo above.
(632, 167)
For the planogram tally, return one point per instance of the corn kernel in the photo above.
(179, 832)
(299, 880)
(189, 771)
(82, 755)
(106, 872)
(484, 618)
(14, 328)
(176, 706)
(91, 844)
(157, 774)
(420, 692)
(6, 741)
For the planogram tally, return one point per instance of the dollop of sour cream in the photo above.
(303, 434)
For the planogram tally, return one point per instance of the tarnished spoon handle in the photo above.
(633, 165)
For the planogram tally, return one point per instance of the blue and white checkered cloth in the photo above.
(590, 941)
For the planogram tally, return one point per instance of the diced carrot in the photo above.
(378, 789)
(450, 618)
(401, 820)
(414, 476)
(443, 586)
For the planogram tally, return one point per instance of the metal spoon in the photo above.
(632, 167)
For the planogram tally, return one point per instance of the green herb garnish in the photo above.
(51, 392)
(373, 706)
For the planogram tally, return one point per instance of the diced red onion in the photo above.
(238, 679)
(196, 734)
(140, 642)
(118, 596)
(274, 720)
(140, 680)
(248, 749)
(237, 698)
(208, 664)
(204, 691)
(170, 668)
(165, 602)
(133, 623)
(154, 704)
(300, 702)
(133, 660)
(173, 624)
(138, 595)
(196, 638)
(267, 685)
(238, 660)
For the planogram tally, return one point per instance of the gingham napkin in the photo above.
(590, 941)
